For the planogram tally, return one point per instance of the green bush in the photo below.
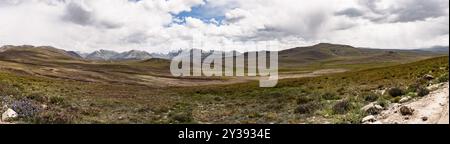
(395, 92)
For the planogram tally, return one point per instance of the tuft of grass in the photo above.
(443, 78)
(307, 108)
(383, 102)
(370, 97)
(330, 96)
(57, 100)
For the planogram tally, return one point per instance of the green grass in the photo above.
(320, 98)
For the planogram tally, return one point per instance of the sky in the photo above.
(167, 25)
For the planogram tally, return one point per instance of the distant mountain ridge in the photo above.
(294, 56)
(436, 49)
(112, 55)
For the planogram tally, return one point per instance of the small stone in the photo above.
(8, 115)
(44, 106)
(424, 118)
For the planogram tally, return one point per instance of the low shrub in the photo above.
(342, 107)
(182, 117)
(25, 108)
(395, 92)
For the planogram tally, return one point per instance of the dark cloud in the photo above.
(416, 10)
(404, 11)
(77, 14)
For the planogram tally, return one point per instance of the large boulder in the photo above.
(9, 114)
(369, 119)
(404, 110)
(405, 99)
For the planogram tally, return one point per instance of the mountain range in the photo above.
(298, 55)
(105, 55)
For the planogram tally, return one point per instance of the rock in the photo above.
(433, 87)
(428, 77)
(8, 115)
(404, 110)
(44, 106)
(395, 105)
(424, 118)
(370, 119)
(380, 92)
(379, 107)
(372, 109)
(405, 99)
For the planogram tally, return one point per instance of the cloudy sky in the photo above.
(164, 25)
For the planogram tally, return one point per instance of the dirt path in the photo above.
(312, 74)
(431, 109)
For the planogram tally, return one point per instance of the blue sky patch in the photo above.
(202, 12)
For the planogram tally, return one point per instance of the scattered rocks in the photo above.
(405, 99)
(369, 119)
(9, 114)
(404, 110)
